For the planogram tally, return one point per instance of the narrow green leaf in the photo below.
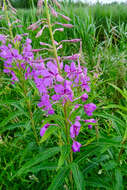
(39, 158)
(42, 166)
(12, 127)
(97, 183)
(59, 178)
(115, 106)
(111, 164)
(10, 117)
(78, 177)
(119, 90)
(65, 151)
(119, 180)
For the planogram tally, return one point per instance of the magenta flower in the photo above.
(46, 104)
(74, 129)
(89, 108)
(76, 146)
(84, 97)
(43, 129)
(64, 91)
(90, 121)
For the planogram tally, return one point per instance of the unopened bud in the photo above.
(65, 25)
(45, 44)
(65, 17)
(39, 3)
(53, 12)
(72, 57)
(73, 40)
(40, 32)
(57, 4)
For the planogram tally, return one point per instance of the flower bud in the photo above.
(53, 12)
(57, 4)
(65, 17)
(65, 25)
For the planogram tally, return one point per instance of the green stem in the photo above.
(70, 160)
(32, 122)
(8, 20)
(51, 35)
(66, 122)
(123, 142)
(22, 81)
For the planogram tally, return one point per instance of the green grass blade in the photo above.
(59, 178)
(39, 158)
(78, 177)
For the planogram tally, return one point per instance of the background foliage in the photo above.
(102, 162)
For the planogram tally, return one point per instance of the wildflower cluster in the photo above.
(57, 82)
(63, 88)
(16, 62)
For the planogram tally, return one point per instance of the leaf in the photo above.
(118, 180)
(10, 117)
(39, 158)
(111, 164)
(115, 106)
(95, 162)
(78, 177)
(98, 183)
(49, 132)
(13, 126)
(59, 178)
(119, 90)
(65, 151)
(42, 166)
(111, 117)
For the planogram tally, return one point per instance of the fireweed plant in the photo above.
(62, 82)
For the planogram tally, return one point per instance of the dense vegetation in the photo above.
(102, 162)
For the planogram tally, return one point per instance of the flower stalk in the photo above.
(8, 20)
(51, 35)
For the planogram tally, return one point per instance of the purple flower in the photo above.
(89, 108)
(3, 38)
(45, 104)
(74, 129)
(43, 129)
(76, 146)
(17, 38)
(90, 121)
(56, 97)
(71, 70)
(51, 112)
(64, 91)
(78, 118)
(84, 97)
